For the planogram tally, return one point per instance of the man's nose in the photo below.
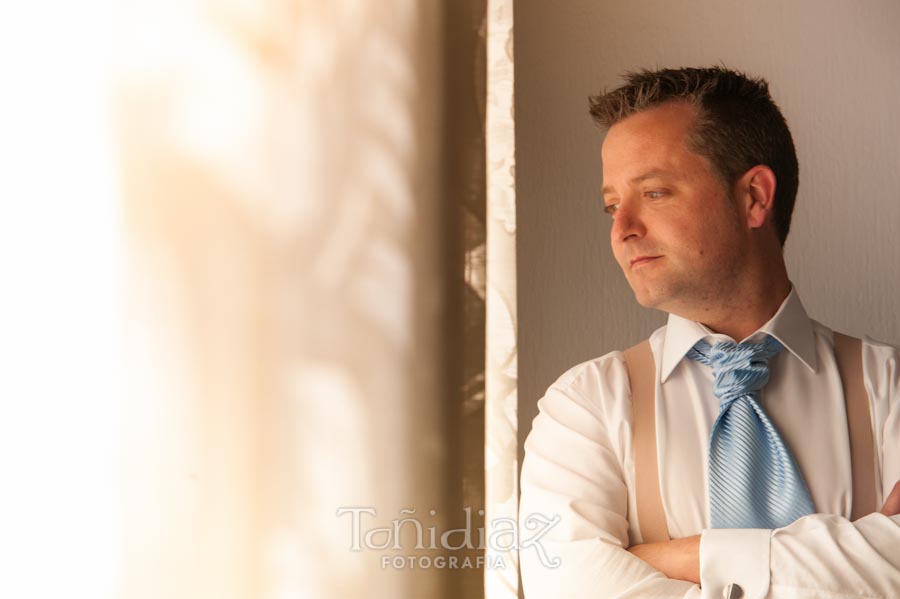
(628, 223)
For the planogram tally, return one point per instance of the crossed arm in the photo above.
(575, 467)
(680, 558)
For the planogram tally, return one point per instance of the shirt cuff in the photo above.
(735, 556)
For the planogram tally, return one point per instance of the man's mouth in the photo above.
(639, 260)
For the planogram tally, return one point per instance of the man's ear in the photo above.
(757, 190)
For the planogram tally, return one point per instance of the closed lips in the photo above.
(642, 259)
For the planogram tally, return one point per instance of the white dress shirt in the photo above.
(579, 465)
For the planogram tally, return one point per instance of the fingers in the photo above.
(892, 503)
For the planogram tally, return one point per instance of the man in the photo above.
(755, 475)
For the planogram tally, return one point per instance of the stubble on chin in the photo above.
(670, 296)
(647, 294)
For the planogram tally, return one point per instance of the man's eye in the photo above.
(610, 209)
(654, 195)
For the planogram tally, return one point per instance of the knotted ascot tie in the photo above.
(754, 481)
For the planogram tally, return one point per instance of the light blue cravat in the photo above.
(754, 481)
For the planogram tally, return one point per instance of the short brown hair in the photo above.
(738, 124)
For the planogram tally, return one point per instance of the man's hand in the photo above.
(679, 558)
(892, 503)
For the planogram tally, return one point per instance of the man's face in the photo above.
(677, 235)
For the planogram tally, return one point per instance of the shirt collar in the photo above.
(791, 326)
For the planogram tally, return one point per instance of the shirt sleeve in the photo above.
(823, 556)
(572, 477)
(817, 557)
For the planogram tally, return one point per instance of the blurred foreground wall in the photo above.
(293, 285)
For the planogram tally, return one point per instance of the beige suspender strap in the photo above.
(648, 497)
(848, 354)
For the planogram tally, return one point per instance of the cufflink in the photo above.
(733, 591)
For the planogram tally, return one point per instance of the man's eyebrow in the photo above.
(651, 174)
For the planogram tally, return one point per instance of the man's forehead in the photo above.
(669, 121)
(649, 143)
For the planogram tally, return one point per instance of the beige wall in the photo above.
(833, 68)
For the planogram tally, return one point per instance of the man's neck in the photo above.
(748, 311)
(751, 319)
(743, 305)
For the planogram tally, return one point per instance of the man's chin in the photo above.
(659, 297)
(647, 299)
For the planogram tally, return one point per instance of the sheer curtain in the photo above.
(501, 459)
(316, 301)
(285, 287)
